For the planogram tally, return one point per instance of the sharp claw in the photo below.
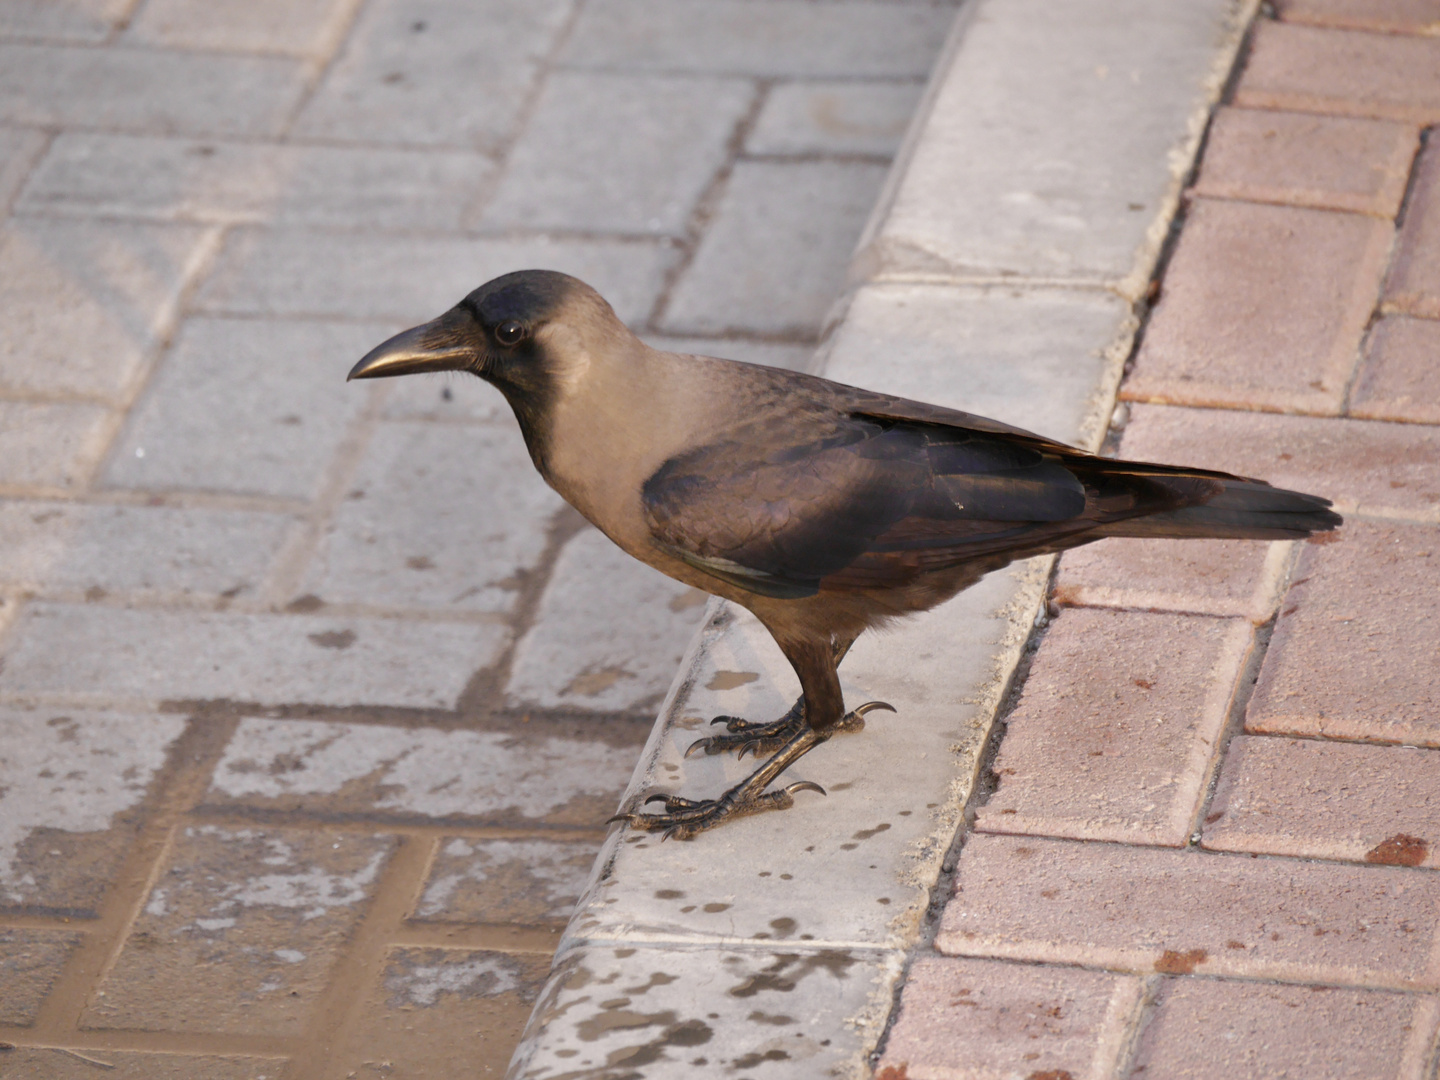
(870, 706)
(698, 744)
(804, 785)
(654, 798)
(627, 818)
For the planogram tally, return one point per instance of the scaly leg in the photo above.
(748, 736)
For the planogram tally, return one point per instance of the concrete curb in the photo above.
(1000, 273)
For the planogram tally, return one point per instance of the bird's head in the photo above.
(531, 333)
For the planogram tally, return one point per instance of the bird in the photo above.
(824, 509)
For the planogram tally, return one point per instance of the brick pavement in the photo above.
(1209, 845)
(313, 697)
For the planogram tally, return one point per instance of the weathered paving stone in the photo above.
(146, 90)
(647, 620)
(98, 549)
(95, 653)
(784, 38)
(444, 396)
(1413, 285)
(412, 278)
(19, 150)
(82, 20)
(1323, 799)
(1203, 1028)
(1354, 650)
(395, 80)
(249, 406)
(1388, 16)
(274, 26)
(443, 1013)
(240, 930)
(210, 180)
(438, 516)
(505, 881)
(1114, 731)
(51, 446)
(977, 1019)
(55, 1063)
(29, 962)
(716, 1012)
(616, 153)
(773, 260)
(71, 782)
(1059, 165)
(1145, 909)
(84, 303)
(324, 767)
(1032, 358)
(834, 117)
(1396, 380)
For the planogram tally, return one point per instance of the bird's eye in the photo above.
(510, 333)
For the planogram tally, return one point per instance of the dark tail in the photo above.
(1139, 499)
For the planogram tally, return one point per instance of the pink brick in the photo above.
(1357, 647)
(1144, 909)
(1324, 162)
(982, 1019)
(1397, 376)
(1387, 469)
(1344, 72)
(1262, 307)
(1414, 284)
(1328, 800)
(1116, 727)
(1206, 1028)
(1202, 577)
(1390, 16)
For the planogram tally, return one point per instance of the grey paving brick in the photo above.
(439, 516)
(147, 90)
(75, 20)
(445, 396)
(240, 930)
(761, 1012)
(1034, 359)
(292, 27)
(759, 37)
(19, 150)
(50, 446)
(1058, 165)
(435, 72)
(775, 257)
(505, 881)
(244, 405)
(70, 782)
(29, 962)
(287, 272)
(354, 769)
(228, 182)
(62, 546)
(794, 357)
(82, 303)
(99, 653)
(610, 632)
(618, 153)
(834, 117)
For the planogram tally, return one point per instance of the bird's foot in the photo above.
(684, 818)
(748, 736)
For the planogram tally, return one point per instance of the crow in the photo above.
(824, 509)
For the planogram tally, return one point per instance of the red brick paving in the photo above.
(1296, 930)
(1263, 306)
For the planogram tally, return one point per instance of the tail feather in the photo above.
(1164, 501)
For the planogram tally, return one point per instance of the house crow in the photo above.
(822, 508)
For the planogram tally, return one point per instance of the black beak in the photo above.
(433, 346)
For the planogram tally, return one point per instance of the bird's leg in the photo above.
(683, 818)
(755, 737)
